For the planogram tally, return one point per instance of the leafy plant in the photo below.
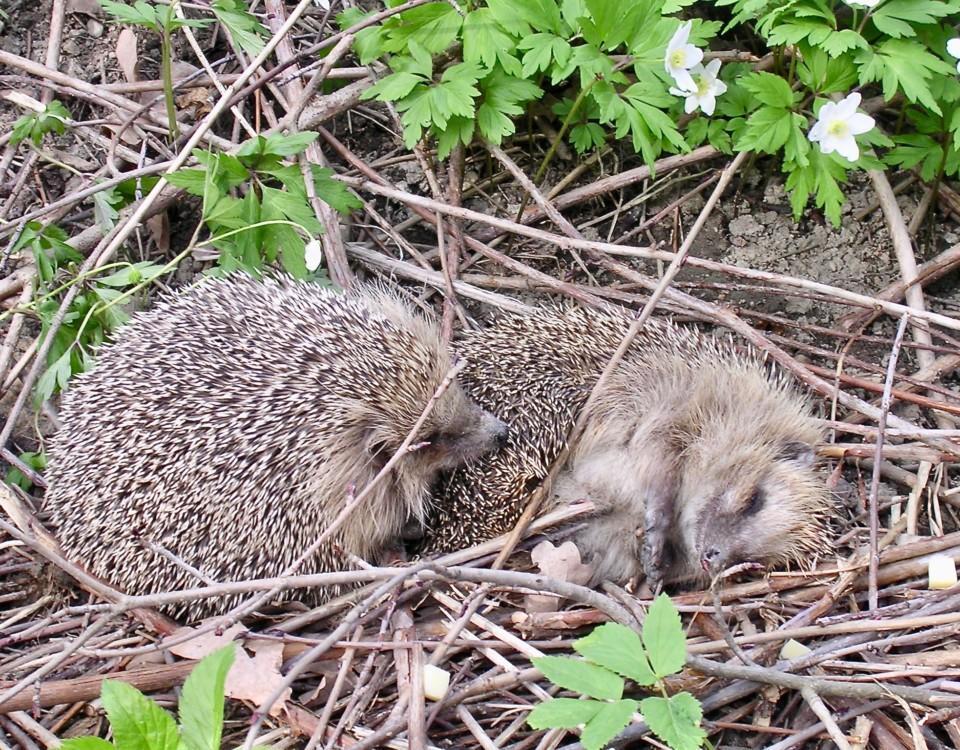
(94, 313)
(162, 19)
(613, 70)
(138, 723)
(272, 217)
(36, 461)
(611, 654)
(34, 126)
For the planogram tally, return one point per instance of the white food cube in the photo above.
(942, 572)
(793, 650)
(435, 682)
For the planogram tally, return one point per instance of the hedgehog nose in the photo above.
(709, 558)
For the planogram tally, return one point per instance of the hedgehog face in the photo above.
(763, 504)
(458, 432)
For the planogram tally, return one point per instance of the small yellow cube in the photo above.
(942, 572)
(793, 650)
(436, 681)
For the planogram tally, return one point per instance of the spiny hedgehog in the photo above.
(697, 454)
(229, 424)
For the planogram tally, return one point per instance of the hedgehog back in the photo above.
(223, 425)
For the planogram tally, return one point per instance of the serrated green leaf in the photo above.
(245, 29)
(104, 212)
(54, 378)
(333, 192)
(837, 42)
(767, 130)
(563, 713)
(663, 637)
(769, 89)
(137, 722)
(607, 724)
(434, 26)
(675, 720)
(898, 18)
(289, 144)
(581, 676)
(86, 743)
(140, 14)
(191, 180)
(542, 49)
(201, 701)
(586, 136)
(913, 148)
(903, 65)
(483, 37)
(392, 87)
(824, 74)
(459, 130)
(620, 650)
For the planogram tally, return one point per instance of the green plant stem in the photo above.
(166, 71)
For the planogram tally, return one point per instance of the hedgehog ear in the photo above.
(798, 452)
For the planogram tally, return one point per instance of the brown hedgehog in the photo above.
(229, 424)
(696, 454)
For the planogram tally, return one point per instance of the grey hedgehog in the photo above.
(697, 454)
(228, 425)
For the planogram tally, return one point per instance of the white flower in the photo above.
(681, 57)
(325, 4)
(953, 49)
(864, 3)
(706, 88)
(313, 255)
(836, 126)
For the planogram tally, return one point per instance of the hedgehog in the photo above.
(224, 429)
(696, 453)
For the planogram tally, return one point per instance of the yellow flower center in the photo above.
(677, 58)
(703, 85)
(839, 128)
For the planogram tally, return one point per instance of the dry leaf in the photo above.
(195, 100)
(250, 679)
(562, 563)
(159, 228)
(127, 54)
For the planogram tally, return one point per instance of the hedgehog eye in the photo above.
(755, 503)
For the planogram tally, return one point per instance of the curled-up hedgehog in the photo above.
(697, 454)
(229, 425)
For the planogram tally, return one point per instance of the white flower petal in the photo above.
(847, 148)
(953, 47)
(683, 79)
(816, 132)
(691, 103)
(860, 123)
(719, 87)
(680, 36)
(693, 55)
(713, 67)
(708, 103)
(679, 92)
(863, 3)
(848, 106)
(313, 255)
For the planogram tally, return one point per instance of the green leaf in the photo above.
(897, 18)
(137, 722)
(201, 701)
(581, 676)
(769, 89)
(837, 42)
(824, 74)
(912, 149)
(663, 637)
(333, 192)
(607, 724)
(483, 38)
(767, 130)
(820, 177)
(86, 743)
(140, 14)
(460, 130)
(619, 649)
(563, 713)
(586, 136)
(104, 212)
(288, 144)
(393, 87)
(434, 26)
(906, 66)
(245, 29)
(675, 720)
(191, 180)
(542, 49)
(55, 378)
